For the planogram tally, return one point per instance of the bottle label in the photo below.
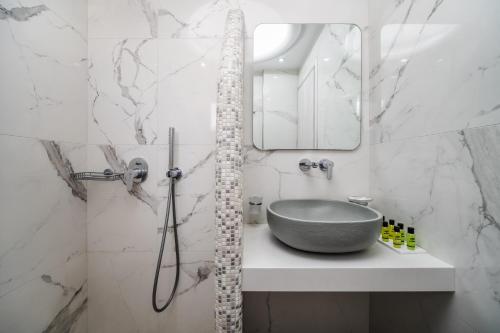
(410, 243)
(385, 234)
(397, 240)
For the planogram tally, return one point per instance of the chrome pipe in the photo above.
(171, 133)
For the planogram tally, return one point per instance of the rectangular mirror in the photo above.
(307, 86)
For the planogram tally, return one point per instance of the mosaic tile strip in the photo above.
(229, 160)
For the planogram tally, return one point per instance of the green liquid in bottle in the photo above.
(397, 240)
(385, 234)
(410, 241)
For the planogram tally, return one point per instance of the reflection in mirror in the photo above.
(307, 86)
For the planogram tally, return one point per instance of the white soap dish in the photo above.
(403, 249)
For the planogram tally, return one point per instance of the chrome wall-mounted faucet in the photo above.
(306, 164)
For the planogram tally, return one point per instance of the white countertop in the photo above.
(269, 265)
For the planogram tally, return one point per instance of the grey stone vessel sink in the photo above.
(327, 226)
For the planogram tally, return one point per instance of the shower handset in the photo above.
(173, 174)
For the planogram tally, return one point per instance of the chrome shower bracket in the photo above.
(174, 173)
(136, 173)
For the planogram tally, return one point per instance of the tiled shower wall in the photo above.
(149, 69)
(435, 147)
(43, 131)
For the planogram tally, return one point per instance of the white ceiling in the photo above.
(295, 56)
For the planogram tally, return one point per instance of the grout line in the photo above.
(38, 139)
(434, 134)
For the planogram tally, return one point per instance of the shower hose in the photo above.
(170, 203)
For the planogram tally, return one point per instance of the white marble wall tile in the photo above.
(445, 185)
(123, 19)
(123, 91)
(195, 195)
(120, 287)
(195, 225)
(42, 236)
(425, 36)
(197, 163)
(117, 219)
(205, 19)
(193, 307)
(120, 223)
(120, 293)
(432, 96)
(42, 91)
(188, 89)
(193, 18)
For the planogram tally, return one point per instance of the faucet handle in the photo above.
(306, 164)
(326, 165)
(129, 178)
(137, 172)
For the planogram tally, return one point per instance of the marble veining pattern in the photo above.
(435, 151)
(49, 236)
(123, 87)
(460, 165)
(70, 313)
(42, 134)
(119, 165)
(34, 95)
(124, 239)
(415, 35)
(64, 169)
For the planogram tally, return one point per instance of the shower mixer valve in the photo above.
(137, 172)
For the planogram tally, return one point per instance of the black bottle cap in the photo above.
(396, 229)
(391, 222)
(411, 230)
(401, 226)
(383, 218)
(385, 224)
